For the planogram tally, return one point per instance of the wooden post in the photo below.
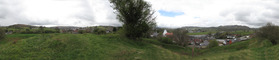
(193, 48)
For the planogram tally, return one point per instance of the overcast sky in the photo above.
(170, 13)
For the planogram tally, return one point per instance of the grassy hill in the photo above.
(84, 47)
(114, 47)
(254, 49)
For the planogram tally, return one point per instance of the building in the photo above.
(155, 34)
(165, 33)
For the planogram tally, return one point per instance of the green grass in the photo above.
(20, 35)
(235, 51)
(85, 47)
(12, 37)
(114, 47)
(243, 33)
(199, 33)
(253, 49)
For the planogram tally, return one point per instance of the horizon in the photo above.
(121, 26)
(170, 13)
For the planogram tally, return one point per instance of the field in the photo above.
(115, 47)
(199, 33)
(83, 47)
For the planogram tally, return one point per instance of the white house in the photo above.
(164, 33)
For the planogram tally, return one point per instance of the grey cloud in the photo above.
(3, 10)
(254, 16)
(12, 11)
(258, 23)
(243, 15)
(274, 11)
(2, 13)
(103, 11)
(87, 14)
(247, 17)
(43, 22)
(225, 12)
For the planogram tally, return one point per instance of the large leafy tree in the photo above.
(136, 16)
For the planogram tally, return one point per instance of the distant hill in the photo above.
(233, 28)
(65, 27)
(21, 25)
(219, 28)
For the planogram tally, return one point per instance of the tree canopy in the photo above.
(136, 16)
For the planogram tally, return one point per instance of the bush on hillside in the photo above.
(114, 29)
(221, 35)
(2, 33)
(270, 32)
(57, 30)
(27, 31)
(81, 31)
(213, 43)
(49, 31)
(165, 40)
(180, 37)
(99, 30)
(258, 43)
(32, 31)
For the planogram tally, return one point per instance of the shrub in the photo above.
(180, 37)
(114, 29)
(259, 43)
(165, 40)
(49, 31)
(99, 30)
(57, 30)
(220, 35)
(270, 32)
(213, 43)
(2, 33)
(81, 31)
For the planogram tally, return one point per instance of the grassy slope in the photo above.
(234, 51)
(253, 49)
(85, 46)
(113, 47)
(242, 33)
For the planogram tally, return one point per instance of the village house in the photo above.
(201, 41)
(198, 38)
(221, 42)
(165, 33)
(204, 44)
(155, 34)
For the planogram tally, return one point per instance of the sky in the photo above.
(169, 13)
